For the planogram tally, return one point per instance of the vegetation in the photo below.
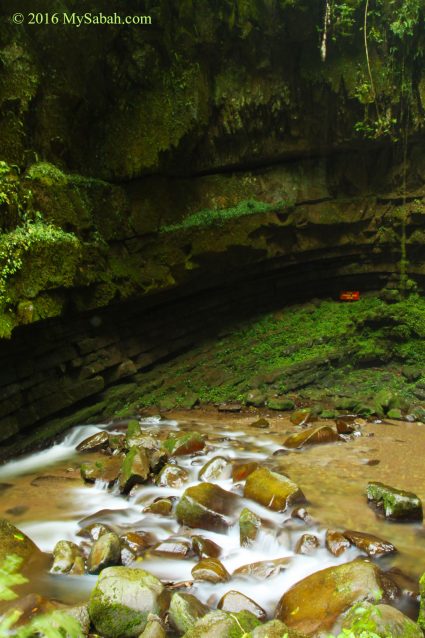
(368, 343)
(218, 216)
(54, 625)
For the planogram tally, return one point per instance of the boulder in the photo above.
(122, 600)
(154, 628)
(185, 610)
(211, 570)
(370, 544)
(234, 601)
(106, 470)
(188, 443)
(317, 602)
(15, 542)
(249, 526)
(312, 436)
(216, 469)
(273, 490)
(255, 398)
(222, 624)
(393, 503)
(134, 470)
(160, 506)
(106, 551)
(207, 506)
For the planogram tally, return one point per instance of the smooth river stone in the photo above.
(273, 490)
(370, 544)
(185, 610)
(316, 603)
(216, 469)
(393, 503)
(211, 570)
(312, 436)
(188, 443)
(207, 506)
(234, 601)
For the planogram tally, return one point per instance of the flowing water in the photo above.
(44, 496)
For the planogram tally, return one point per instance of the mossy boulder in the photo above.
(316, 603)
(122, 600)
(13, 541)
(273, 490)
(281, 404)
(383, 621)
(394, 504)
(221, 624)
(134, 470)
(207, 506)
(185, 610)
(312, 436)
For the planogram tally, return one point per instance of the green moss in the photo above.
(212, 217)
(47, 174)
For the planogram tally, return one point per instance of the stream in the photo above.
(45, 497)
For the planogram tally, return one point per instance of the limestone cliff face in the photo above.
(169, 156)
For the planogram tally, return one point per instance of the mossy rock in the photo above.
(395, 504)
(281, 404)
(383, 620)
(185, 610)
(221, 624)
(188, 443)
(122, 600)
(249, 527)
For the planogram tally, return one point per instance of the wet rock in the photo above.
(302, 514)
(134, 545)
(107, 470)
(188, 443)
(222, 624)
(134, 470)
(302, 417)
(217, 469)
(172, 476)
(274, 629)
(230, 407)
(134, 432)
(315, 603)
(117, 443)
(157, 459)
(262, 424)
(312, 436)
(13, 541)
(249, 526)
(272, 490)
(408, 586)
(336, 542)
(264, 569)
(94, 443)
(370, 544)
(122, 600)
(307, 544)
(234, 601)
(106, 551)
(280, 403)
(65, 555)
(241, 471)
(211, 570)
(161, 506)
(204, 547)
(383, 621)
(185, 610)
(80, 613)
(255, 398)
(173, 548)
(345, 426)
(154, 628)
(393, 503)
(94, 531)
(207, 506)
